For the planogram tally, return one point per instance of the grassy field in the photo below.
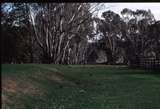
(42, 86)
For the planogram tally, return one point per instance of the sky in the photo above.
(117, 8)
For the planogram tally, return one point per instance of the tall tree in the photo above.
(136, 32)
(111, 28)
(60, 31)
(16, 33)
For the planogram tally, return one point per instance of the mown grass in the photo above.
(80, 87)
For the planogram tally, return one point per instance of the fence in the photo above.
(149, 63)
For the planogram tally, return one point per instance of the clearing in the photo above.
(43, 86)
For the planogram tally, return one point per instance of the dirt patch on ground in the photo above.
(11, 85)
(5, 101)
(13, 88)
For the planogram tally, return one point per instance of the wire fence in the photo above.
(149, 63)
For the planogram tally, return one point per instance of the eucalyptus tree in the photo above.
(125, 36)
(111, 29)
(136, 32)
(153, 40)
(60, 31)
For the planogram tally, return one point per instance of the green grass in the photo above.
(79, 87)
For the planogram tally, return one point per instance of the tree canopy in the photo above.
(69, 33)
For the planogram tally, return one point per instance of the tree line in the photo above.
(69, 33)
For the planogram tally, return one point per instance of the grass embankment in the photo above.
(37, 86)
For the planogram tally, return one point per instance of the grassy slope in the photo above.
(36, 86)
